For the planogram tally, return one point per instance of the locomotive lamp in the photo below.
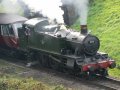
(112, 64)
(84, 29)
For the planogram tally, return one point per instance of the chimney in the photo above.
(84, 29)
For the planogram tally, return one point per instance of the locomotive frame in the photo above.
(71, 51)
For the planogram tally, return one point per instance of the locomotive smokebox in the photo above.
(84, 29)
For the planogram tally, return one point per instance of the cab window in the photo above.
(7, 30)
(11, 32)
(17, 27)
(4, 30)
(0, 30)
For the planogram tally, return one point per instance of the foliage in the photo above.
(7, 83)
(59, 88)
(104, 21)
(11, 78)
(14, 83)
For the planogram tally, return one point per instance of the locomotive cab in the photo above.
(9, 26)
(8, 36)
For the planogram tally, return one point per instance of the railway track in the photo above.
(102, 86)
(102, 83)
(90, 83)
(108, 82)
(113, 80)
(105, 83)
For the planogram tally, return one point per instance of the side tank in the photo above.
(42, 36)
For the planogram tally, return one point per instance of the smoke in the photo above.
(81, 8)
(52, 9)
(48, 8)
(9, 6)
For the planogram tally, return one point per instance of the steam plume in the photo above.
(81, 8)
(49, 8)
(9, 6)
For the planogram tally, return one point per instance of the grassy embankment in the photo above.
(104, 21)
(12, 77)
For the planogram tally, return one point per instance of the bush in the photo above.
(59, 88)
(21, 84)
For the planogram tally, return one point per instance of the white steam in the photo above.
(9, 6)
(49, 8)
(81, 8)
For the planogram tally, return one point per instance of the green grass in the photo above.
(104, 21)
(9, 82)
(10, 79)
(13, 83)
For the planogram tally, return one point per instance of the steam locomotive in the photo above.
(53, 45)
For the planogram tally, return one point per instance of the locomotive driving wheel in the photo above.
(103, 72)
(44, 60)
(54, 64)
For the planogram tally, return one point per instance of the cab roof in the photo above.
(8, 18)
